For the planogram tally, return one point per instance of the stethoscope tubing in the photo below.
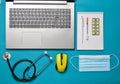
(32, 64)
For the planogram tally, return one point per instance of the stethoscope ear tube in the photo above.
(7, 55)
(24, 79)
(46, 65)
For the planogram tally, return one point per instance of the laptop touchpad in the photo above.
(32, 38)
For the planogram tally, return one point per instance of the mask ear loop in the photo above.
(72, 63)
(117, 61)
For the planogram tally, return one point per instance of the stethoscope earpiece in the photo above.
(6, 55)
(45, 52)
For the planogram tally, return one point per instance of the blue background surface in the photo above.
(71, 76)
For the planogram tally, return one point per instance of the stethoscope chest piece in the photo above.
(6, 55)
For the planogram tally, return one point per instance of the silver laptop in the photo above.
(39, 24)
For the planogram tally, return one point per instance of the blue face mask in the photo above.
(94, 63)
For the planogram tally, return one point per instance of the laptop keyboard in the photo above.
(39, 18)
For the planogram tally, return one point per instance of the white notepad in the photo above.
(90, 31)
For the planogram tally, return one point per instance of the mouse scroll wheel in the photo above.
(61, 59)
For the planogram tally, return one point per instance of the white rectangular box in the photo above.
(85, 38)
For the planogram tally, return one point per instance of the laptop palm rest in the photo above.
(32, 38)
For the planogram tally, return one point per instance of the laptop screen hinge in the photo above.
(55, 2)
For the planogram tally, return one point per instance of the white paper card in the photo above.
(85, 38)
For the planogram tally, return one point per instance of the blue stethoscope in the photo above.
(6, 56)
